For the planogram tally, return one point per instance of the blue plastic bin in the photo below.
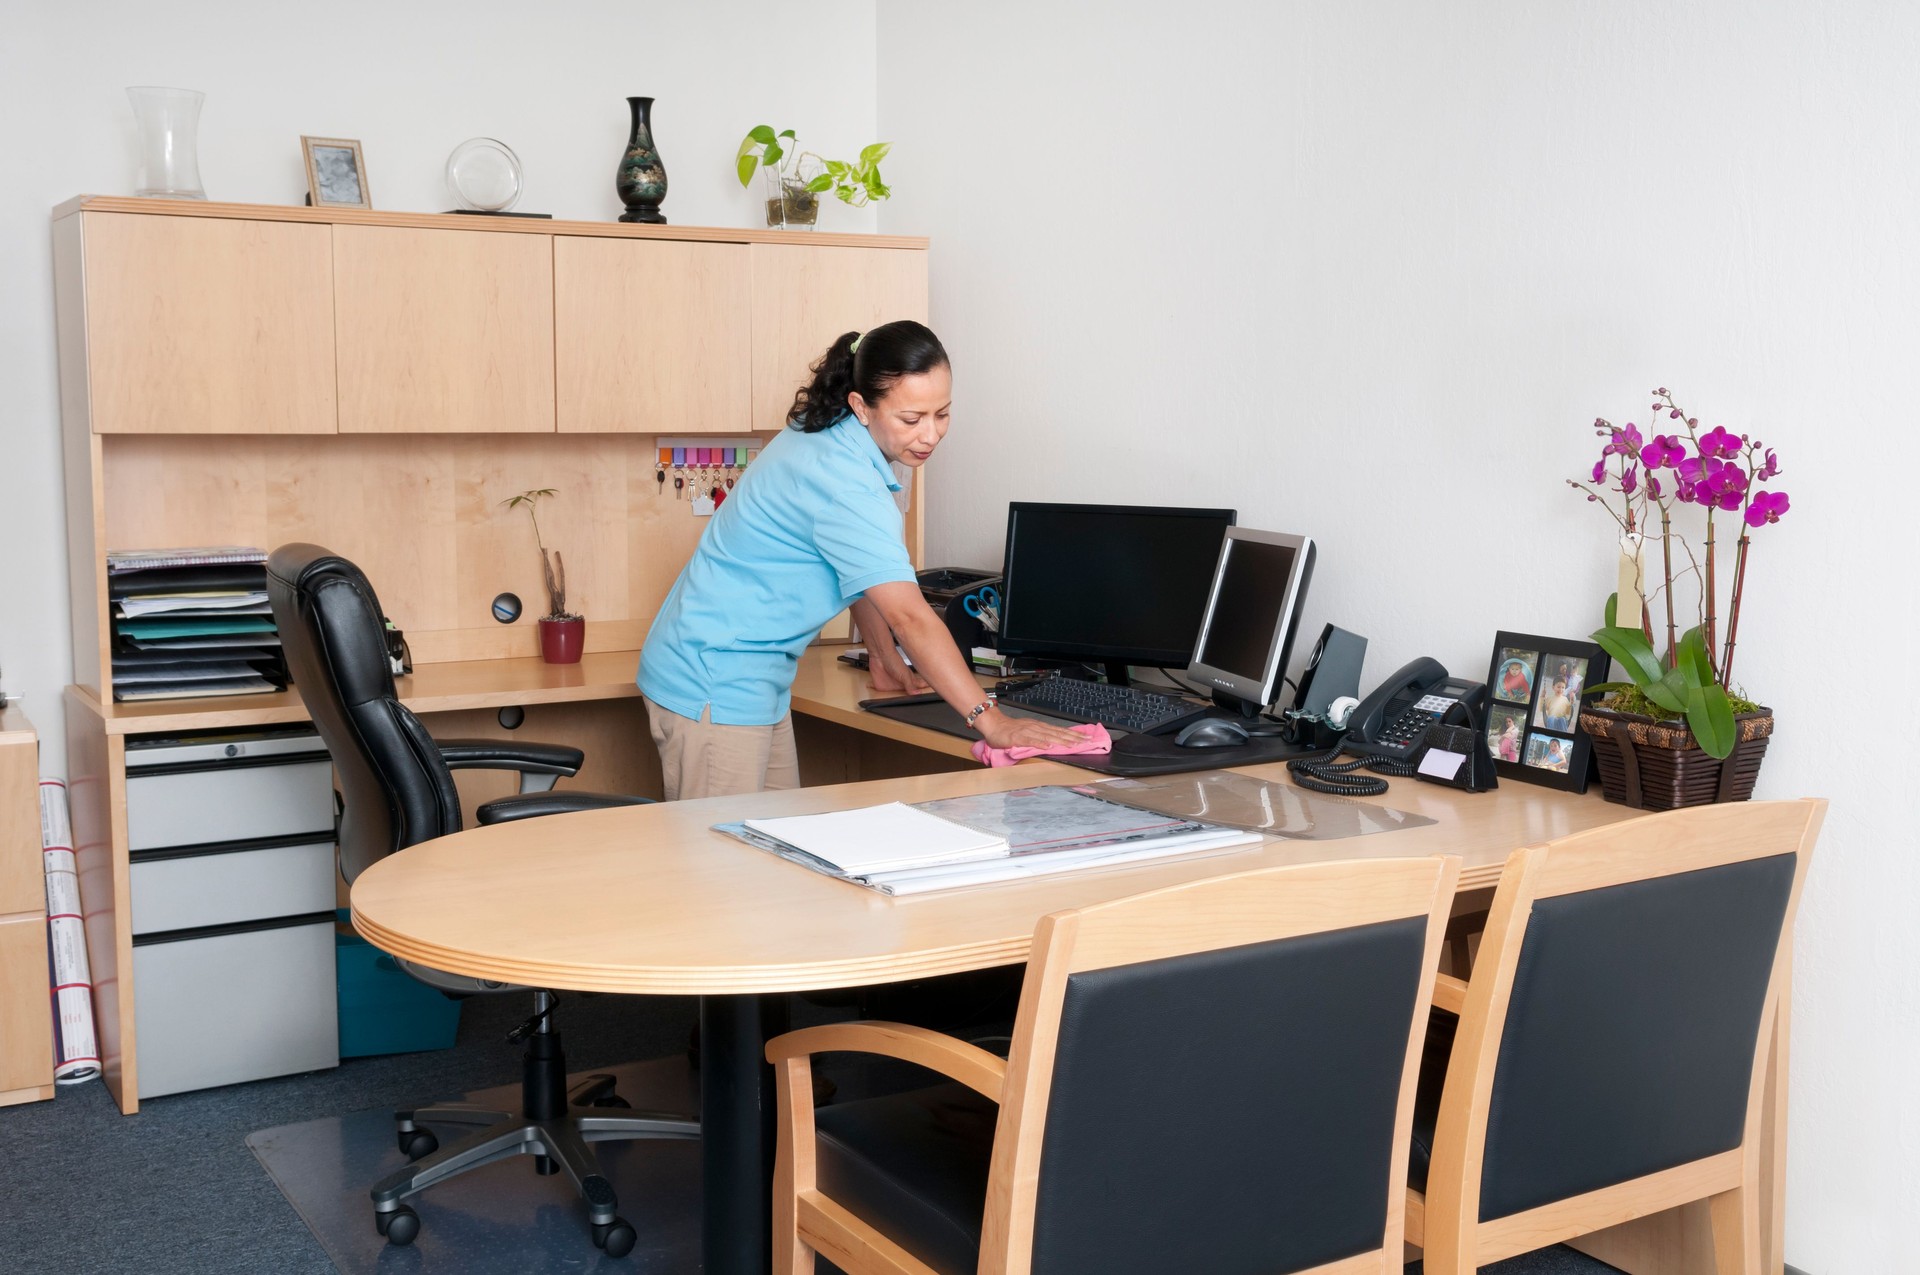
(382, 1009)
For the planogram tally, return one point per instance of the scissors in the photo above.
(984, 606)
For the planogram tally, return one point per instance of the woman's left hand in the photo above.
(896, 681)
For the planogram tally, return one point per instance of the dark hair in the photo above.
(886, 353)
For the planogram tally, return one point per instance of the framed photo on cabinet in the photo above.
(1534, 689)
(336, 173)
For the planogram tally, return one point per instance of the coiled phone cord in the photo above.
(1322, 773)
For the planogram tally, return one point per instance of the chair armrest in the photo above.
(1450, 994)
(971, 1065)
(499, 754)
(534, 805)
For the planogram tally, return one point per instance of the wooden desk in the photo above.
(649, 899)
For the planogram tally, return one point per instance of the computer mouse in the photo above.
(1212, 732)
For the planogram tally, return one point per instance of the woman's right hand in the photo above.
(1003, 731)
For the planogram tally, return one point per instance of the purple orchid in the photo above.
(1653, 486)
(1625, 442)
(1630, 479)
(1770, 468)
(1662, 451)
(1768, 506)
(1718, 442)
(1600, 470)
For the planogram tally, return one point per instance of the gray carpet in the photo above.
(174, 1190)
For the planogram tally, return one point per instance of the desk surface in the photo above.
(823, 688)
(649, 899)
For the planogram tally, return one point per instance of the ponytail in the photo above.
(883, 355)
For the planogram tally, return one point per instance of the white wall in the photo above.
(411, 81)
(1369, 271)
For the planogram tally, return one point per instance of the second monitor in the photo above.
(1252, 611)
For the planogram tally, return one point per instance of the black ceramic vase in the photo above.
(642, 181)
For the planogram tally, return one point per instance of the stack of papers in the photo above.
(963, 841)
(189, 623)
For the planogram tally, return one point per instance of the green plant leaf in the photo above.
(1606, 688)
(846, 194)
(1613, 604)
(1631, 650)
(1710, 716)
(836, 168)
(763, 135)
(1670, 692)
(772, 155)
(1694, 660)
(743, 166)
(787, 133)
(875, 153)
(820, 184)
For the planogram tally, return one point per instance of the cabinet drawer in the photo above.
(196, 803)
(222, 1005)
(247, 881)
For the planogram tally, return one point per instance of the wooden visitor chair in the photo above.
(1610, 1055)
(1218, 1076)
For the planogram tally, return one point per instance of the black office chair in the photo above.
(1216, 1076)
(396, 789)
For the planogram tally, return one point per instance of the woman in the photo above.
(811, 528)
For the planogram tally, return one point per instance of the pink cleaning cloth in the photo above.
(1093, 739)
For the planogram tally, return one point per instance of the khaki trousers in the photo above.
(702, 759)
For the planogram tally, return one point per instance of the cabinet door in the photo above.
(26, 1028)
(203, 325)
(444, 331)
(652, 336)
(805, 296)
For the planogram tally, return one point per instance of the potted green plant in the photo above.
(1679, 732)
(562, 632)
(796, 179)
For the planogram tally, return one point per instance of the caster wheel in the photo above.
(415, 1143)
(400, 1226)
(616, 1237)
(611, 1100)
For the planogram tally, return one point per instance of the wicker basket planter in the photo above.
(1652, 765)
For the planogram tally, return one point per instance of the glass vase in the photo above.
(169, 142)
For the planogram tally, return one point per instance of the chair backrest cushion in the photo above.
(1228, 1111)
(395, 789)
(1629, 1039)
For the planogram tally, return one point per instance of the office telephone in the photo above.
(1385, 732)
(1392, 720)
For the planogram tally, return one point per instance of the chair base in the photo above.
(557, 1129)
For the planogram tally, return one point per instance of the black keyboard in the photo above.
(1115, 707)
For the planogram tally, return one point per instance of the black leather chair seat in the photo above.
(915, 1166)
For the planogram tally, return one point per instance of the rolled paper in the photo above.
(1632, 584)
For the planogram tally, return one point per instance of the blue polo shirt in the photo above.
(809, 527)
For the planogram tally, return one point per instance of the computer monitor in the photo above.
(1114, 584)
(1252, 610)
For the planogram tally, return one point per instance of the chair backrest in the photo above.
(1624, 988)
(1219, 1076)
(395, 789)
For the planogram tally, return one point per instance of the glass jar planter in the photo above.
(790, 205)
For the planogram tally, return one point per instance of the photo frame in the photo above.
(336, 173)
(1535, 687)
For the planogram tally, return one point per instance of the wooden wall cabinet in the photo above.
(26, 1022)
(443, 332)
(805, 295)
(209, 325)
(652, 338)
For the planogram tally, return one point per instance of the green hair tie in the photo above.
(855, 347)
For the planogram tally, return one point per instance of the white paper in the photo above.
(881, 838)
(1039, 865)
(1441, 764)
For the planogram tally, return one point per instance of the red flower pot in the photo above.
(561, 641)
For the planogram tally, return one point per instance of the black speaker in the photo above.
(1332, 670)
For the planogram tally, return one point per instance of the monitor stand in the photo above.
(1118, 674)
(1234, 706)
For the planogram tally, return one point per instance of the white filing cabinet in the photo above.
(231, 841)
